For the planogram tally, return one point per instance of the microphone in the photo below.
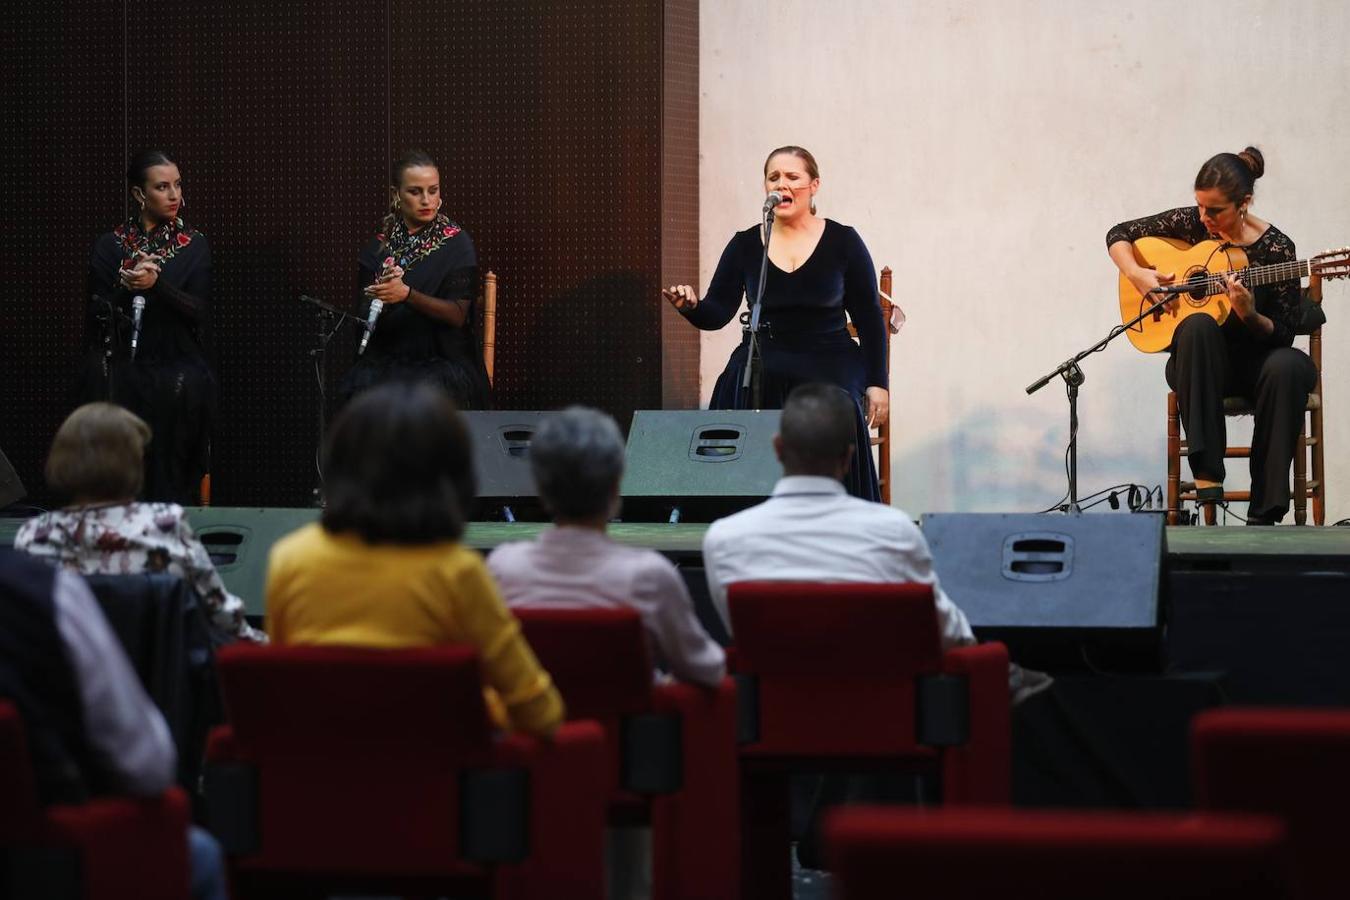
(137, 309)
(1184, 288)
(774, 198)
(371, 318)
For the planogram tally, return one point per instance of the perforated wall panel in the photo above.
(557, 126)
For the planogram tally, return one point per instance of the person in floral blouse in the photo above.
(96, 460)
(423, 269)
(154, 255)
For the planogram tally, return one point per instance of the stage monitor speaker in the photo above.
(239, 540)
(1070, 581)
(698, 465)
(11, 488)
(501, 457)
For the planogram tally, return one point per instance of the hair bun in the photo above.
(1254, 160)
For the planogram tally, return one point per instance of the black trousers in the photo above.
(1204, 367)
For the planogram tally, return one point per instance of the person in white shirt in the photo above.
(811, 529)
(577, 459)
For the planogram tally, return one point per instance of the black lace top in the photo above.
(1278, 302)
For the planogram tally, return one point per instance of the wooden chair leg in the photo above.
(1319, 475)
(1173, 460)
(1301, 480)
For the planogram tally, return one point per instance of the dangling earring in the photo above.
(813, 204)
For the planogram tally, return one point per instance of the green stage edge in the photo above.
(257, 529)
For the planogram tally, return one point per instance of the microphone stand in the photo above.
(329, 319)
(1073, 377)
(107, 313)
(752, 385)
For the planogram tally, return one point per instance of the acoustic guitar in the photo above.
(1201, 267)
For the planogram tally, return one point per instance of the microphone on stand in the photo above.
(772, 200)
(1183, 288)
(137, 310)
(371, 318)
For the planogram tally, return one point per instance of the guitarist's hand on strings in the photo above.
(1145, 280)
(1239, 296)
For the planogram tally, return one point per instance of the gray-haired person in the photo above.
(577, 458)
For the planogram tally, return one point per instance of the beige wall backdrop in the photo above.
(982, 149)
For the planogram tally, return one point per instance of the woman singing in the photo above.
(423, 268)
(156, 257)
(1250, 354)
(819, 270)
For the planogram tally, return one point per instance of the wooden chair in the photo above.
(1311, 439)
(882, 439)
(487, 323)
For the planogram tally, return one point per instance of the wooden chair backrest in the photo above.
(487, 331)
(883, 438)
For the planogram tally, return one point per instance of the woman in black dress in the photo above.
(818, 271)
(423, 268)
(156, 256)
(1250, 354)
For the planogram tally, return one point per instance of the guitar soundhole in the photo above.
(1199, 292)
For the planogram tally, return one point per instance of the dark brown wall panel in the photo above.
(559, 127)
(61, 164)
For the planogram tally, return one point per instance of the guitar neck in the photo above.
(1255, 276)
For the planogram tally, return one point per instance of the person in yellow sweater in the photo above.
(384, 566)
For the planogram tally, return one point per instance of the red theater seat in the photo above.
(109, 848)
(1291, 763)
(379, 769)
(852, 677)
(976, 854)
(672, 747)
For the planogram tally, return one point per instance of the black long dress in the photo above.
(1207, 361)
(169, 384)
(804, 333)
(408, 345)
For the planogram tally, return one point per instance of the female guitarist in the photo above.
(1250, 353)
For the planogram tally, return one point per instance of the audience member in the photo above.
(97, 463)
(384, 566)
(91, 728)
(577, 460)
(812, 530)
(576, 457)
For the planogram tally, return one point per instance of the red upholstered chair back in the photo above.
(1291, 763)
(20, 813)
(601, 663)
(359, 751)
(599, 658)
(835, 664)
(975, 854)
